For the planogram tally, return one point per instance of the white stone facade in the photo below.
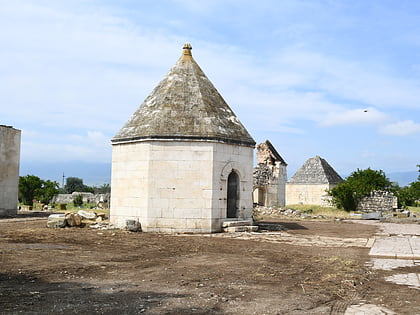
(308, 194)
(178, 186)
(9, 169)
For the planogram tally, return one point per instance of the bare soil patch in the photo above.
(75, 270)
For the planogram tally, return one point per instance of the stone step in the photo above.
(243, 228)
(235, 223)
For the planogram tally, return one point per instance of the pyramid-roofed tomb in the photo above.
(183, 161)
(310, 183)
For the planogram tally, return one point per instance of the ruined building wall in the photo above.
(270, 176)
(9, 169)
(270, 185)
(378, 201)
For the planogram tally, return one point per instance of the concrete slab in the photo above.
(367, 309)
(390, 264)
(415, 245)
(410, 279)
(392, 247)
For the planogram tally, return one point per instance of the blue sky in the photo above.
(339, 79)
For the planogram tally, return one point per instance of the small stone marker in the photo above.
(57, 220)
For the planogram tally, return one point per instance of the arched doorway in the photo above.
(259, 196)
(232, 195)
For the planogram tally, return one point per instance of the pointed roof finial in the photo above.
(187, 49)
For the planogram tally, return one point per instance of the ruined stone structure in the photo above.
(378, 201)
(310, 183)
(87, 198)
(9, 169)
(270, 177)
(183, 162)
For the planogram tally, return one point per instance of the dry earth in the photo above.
(75, 270)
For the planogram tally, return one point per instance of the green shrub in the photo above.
(78, 200)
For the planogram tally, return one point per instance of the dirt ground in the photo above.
(75, 270)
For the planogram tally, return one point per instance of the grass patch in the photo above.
(320, 210)
(414, 210)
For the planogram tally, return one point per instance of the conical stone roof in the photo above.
(185, 106)
(315, 170)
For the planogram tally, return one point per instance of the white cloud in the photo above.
(362, 81)
(83, 68)
(367, 116)
(401, 128)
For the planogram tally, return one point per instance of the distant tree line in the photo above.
(32, 188)
(361, 183)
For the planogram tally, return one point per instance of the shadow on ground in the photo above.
(279, 226)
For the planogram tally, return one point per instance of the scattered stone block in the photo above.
(252, 228)
(243, 228)
(57, 220)
(87, 214)
(235, 223)
(73, 219)
(102, 215)
(133, 225)
(232, 229)
(372, 216)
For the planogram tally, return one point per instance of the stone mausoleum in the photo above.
(183, 162)
(9, 169)
(310, 183)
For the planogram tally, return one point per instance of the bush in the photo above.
(78, 200)
(358, 185)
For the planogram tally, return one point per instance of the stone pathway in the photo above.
(401, 246)
(367, 309)
(300, 240)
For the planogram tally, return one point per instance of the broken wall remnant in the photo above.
(101, 200)
(310, 184)
(183, 161)
(378, 200)
(270, 177)
(9, 169)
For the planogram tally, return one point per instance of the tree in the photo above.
(32, 188)
(358, 185)
(76, 184)
(29, 185)
(103, 189)
(409, 195)
(48, 190)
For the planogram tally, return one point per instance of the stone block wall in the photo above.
(378, 201)
(9, 169)
(308, 194)
(176, 186)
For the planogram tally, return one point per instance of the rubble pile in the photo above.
(275, 211)
(69, 219)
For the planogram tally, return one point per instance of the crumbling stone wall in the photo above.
(87, 198)
(269, 177)
(378, 201)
